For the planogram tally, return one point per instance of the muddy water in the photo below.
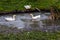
(25, 21)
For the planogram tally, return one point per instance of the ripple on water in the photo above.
(18, 24)
(25, 21)
(21, 21)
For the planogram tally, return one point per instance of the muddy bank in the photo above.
(25, 11)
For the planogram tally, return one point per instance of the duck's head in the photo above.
(14, 15)
(31, 14)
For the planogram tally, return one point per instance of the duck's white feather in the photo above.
(10, 18)
(35, 17)
(27, 6)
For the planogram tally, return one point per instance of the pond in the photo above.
(25, 21)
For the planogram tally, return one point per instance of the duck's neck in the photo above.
(13, 17)
(32, 16)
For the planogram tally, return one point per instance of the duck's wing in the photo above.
(9, 19)
(38, 16)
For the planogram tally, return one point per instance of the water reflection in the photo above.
(25, 21)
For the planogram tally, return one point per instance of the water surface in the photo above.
(24, 21)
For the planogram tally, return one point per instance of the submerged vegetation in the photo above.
(10, 33)
(10, 5)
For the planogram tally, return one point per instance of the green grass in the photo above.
(9, 5)
(32, 35)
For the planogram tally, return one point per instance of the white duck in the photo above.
(35, 17)
(10, 18)
(27, 6)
